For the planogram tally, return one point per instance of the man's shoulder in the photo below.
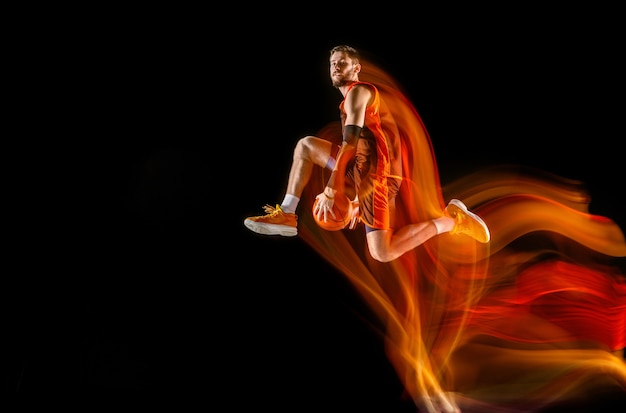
(365, 86)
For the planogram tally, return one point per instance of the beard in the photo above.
(343, 78)
(342, 81)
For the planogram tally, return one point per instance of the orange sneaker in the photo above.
(275, 222)
(466, 222)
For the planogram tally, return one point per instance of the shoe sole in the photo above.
(271, 229)
(460, 205)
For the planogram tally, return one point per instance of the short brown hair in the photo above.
(351, 51)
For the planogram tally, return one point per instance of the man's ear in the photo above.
(357, 68)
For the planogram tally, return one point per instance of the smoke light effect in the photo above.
(535, 317)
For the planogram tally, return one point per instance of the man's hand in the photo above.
(325, 203)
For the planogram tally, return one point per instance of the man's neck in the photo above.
(346, 87)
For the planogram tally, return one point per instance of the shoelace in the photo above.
(270, 210)
(458, 222)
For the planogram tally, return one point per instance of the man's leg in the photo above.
(282, 219)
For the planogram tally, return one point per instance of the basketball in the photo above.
(343, 213)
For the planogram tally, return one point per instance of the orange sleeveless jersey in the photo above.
(374, 203)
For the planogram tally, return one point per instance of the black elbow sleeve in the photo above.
(351, 133)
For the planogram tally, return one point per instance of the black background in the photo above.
(167, 128)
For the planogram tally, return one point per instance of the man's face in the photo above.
(342, 69)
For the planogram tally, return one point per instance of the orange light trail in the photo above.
(536, 316)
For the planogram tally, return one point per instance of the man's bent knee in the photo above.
(377, 247)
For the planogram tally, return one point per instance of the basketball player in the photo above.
(367, 165)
